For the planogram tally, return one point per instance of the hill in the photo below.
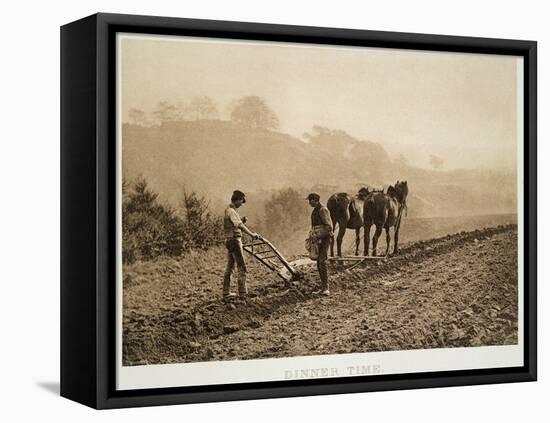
(214, 157)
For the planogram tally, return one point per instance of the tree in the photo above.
(436, 162)
(166, 112)
(137, 117)
(253, 112)
(321, 133)
(204, 107)
(202, 228)
(285, 214)
(149, 228)
(333, 139)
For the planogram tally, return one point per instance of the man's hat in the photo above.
(238, 195)
(313, 196)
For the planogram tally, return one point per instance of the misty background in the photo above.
(461, 107)
(280, 120)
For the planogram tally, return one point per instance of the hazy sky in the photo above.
(461, 107)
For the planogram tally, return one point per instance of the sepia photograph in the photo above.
(292, 211)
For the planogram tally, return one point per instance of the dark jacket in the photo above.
(321, 222)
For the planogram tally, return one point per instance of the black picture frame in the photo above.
(88, 209)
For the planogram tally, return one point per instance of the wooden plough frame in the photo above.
(266, 253)
(357, 259)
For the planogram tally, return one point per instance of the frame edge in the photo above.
(78, 332)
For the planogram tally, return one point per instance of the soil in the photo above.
(458, 290)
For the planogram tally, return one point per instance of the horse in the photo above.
(384, 210)
(344, 213)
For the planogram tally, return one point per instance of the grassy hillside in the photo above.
(215, 157)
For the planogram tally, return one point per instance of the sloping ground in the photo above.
(213, 158)
(412, 229)
(458, 290)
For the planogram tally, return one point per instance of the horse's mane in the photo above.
(365, 191)
(400, 191)
(392, 191)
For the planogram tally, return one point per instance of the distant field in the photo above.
(412, 229)
(422, 228)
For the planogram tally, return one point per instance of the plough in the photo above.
(356, 260)
(266, 253)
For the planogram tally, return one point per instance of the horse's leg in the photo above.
(396, 239)
(341, 232)
(357, 240)
(388, 238)
(366, 236)
(375, 239)
(332, 239)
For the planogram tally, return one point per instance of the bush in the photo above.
(151, 229)
(202, 229)
(285, 214)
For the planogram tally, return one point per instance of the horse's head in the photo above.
(400, 191)
(363, 193)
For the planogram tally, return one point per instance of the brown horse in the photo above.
(344, 213)
(384, 211)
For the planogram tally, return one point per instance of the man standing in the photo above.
(233, 227)
(321, 228)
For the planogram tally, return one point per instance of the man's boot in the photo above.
(229, 297)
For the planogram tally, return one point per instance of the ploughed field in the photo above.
(455, 290)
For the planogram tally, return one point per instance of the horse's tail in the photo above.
(369, 206)
(352, 208)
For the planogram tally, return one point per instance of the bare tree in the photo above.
(228, 109)
(252, 111)
(137, 117)
(166, 112)
(204, 107)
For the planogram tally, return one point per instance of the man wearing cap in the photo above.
(233, 227)
(321, 228)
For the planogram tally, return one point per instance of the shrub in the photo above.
(149, 228)
(285, 214)
(202, 228)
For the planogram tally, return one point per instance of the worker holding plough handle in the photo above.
(233, 227)
(319, 238)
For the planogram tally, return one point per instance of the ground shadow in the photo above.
(51, 387)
